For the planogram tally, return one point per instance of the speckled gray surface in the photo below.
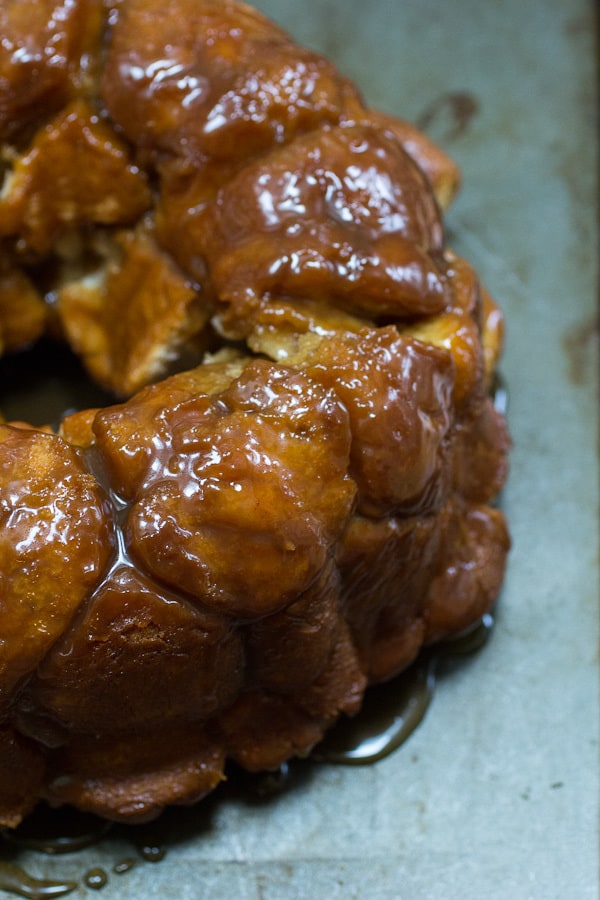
(496, 795)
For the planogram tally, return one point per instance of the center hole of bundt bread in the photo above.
(39, 385)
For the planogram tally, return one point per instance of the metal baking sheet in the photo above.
(496, 794)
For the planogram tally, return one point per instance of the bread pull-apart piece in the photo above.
(134, 314)
(23, 313)
(76, 173)
(214, 80)
(142, 658)
(55, 542)
(48, 56)
(132, 777)
(408, 583)
(237, 498)
(343, 215)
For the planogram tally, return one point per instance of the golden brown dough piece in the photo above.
(218, 566)
(23, 313)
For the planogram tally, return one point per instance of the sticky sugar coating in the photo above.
(217, 566)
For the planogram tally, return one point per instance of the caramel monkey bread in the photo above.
(290, 496)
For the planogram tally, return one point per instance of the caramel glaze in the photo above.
(217, 567)
(95, 879)
(15, 880)
(393, 710)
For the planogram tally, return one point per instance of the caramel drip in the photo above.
(389, 717)
(57, 831)
(95, 879)
(392, 711)
(16, 881)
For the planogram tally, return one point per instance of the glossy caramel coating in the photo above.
(398, 448)
(135, 642)
(55, 543)
(326, 216)
(238, 497)
(47, 57)
(217, 566)
(214, 80)
(40, 204)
